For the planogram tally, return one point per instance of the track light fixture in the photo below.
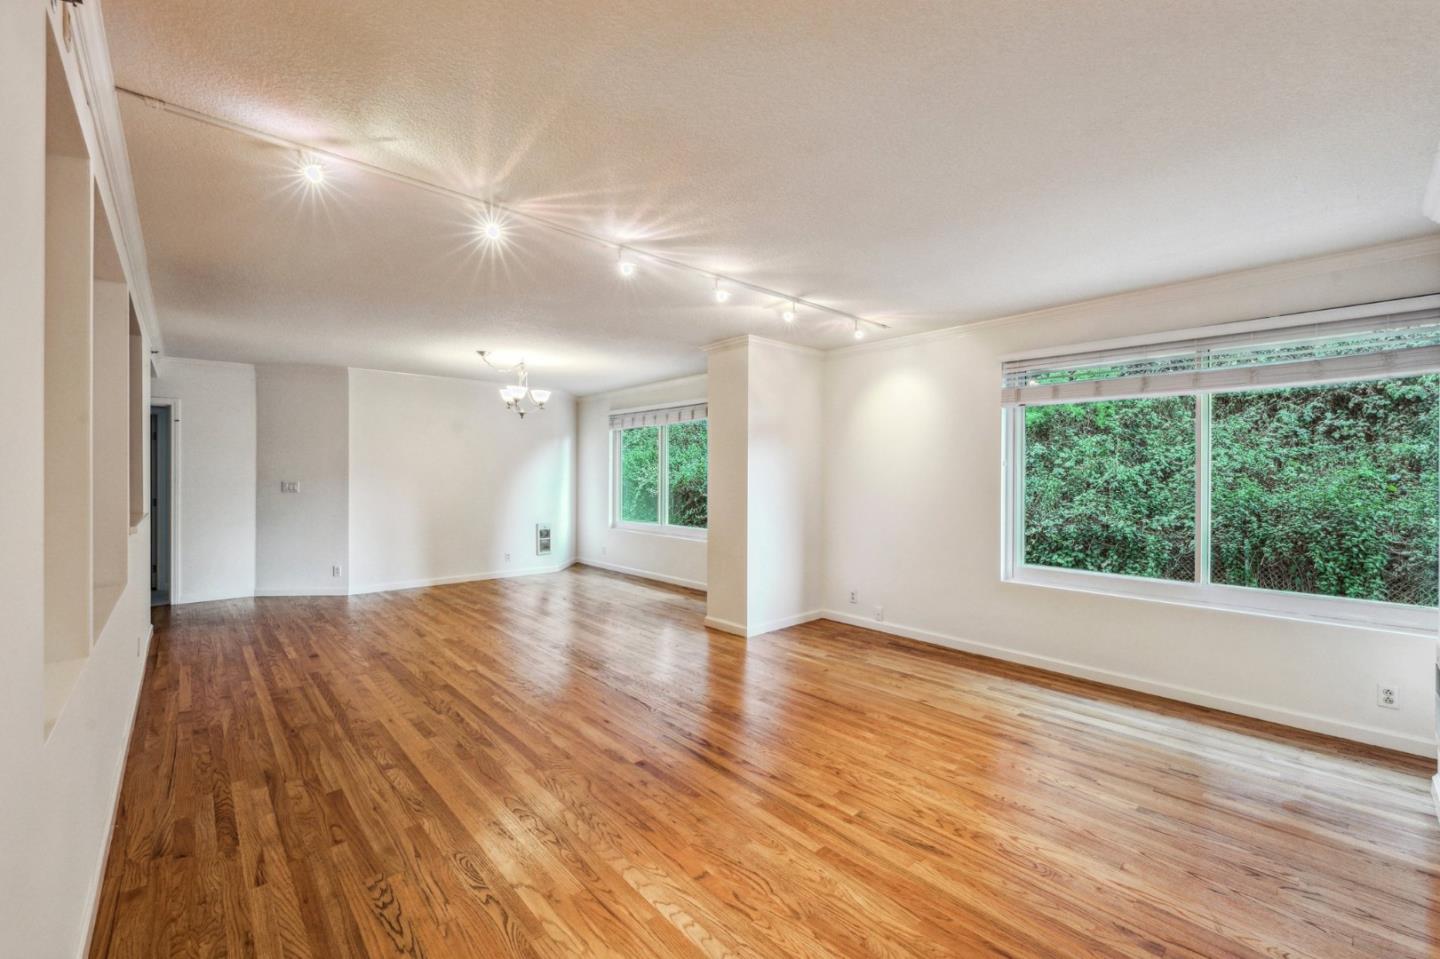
(624, 264)
(312, 172)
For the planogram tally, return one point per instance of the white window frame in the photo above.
(663, 527)
(1334, 610)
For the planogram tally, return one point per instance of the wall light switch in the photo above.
(289, 486)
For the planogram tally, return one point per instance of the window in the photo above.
(1274, 470)
(661, 470)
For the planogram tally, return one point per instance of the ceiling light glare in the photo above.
(789, 315)
(626, 266)
(721, 295)
(859, 333)
(492, 231)
(313, 173)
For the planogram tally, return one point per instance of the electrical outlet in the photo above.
(879, 614)
(507, 557)
(853, 600)
(1387, 697)
(334, 570)
(603, 550)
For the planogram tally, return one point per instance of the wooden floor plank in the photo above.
(572, 765)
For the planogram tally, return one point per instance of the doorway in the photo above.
(161, 457)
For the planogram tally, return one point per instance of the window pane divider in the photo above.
(1202, 489)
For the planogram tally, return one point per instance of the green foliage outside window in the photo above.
(687, 452)
(1328, 490)
(687, 449)
(640, 475)
(1110, 487)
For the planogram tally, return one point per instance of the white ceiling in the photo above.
(926, 164)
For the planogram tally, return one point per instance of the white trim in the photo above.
(644, 574)
(462, 578)
(1282, 321)
(664, 530)
(760, 629)
(97, 883)
(1435, 794)
(1276, 604)
(111, 165)
(320, 591)
(725, 626)
(745, 339)
(208, 598)
(1185, 289)
(646, 407)
(1356, 732)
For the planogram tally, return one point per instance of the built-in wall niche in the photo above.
(69, 287)
(110, 418)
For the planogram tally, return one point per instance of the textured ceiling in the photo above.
(922, 163)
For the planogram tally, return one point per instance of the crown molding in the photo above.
(1397, 251)
(746, 339)
(84, 48)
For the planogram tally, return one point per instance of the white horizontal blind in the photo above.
(660, 416)
(1402, 343)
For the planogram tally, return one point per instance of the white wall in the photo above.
(444, 481)
(302, 435)
(214, 446)
(783, 511)
(57, 793)
(912, 506)
(671, 559)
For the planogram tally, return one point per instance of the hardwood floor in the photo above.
(571, 765)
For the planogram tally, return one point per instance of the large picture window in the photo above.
(661, 471)
(1195, 472)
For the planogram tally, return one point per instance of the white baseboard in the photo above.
(98, 882)
(321, 591)
(725, 626)
(1435, 794)
(644, 574)
(1275, 714)
(207, 598)
(760, 629)
(463, 578)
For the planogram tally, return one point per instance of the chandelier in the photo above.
(518, 396)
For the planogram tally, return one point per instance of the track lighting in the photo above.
(493, 231)
(859, 333)
(789, 315)
(313, 173)
(721, 295)
(625, 265)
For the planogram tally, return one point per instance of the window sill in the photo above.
(666, 532)
(1328, 610)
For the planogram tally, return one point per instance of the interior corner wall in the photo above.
(302, 436)
(215, 447)
(446, 485)
(783, 491)
(57, 794)
(727, 599)
(671, 559)
(912, 488)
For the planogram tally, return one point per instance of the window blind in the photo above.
(660, 416)
(1402, 343)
